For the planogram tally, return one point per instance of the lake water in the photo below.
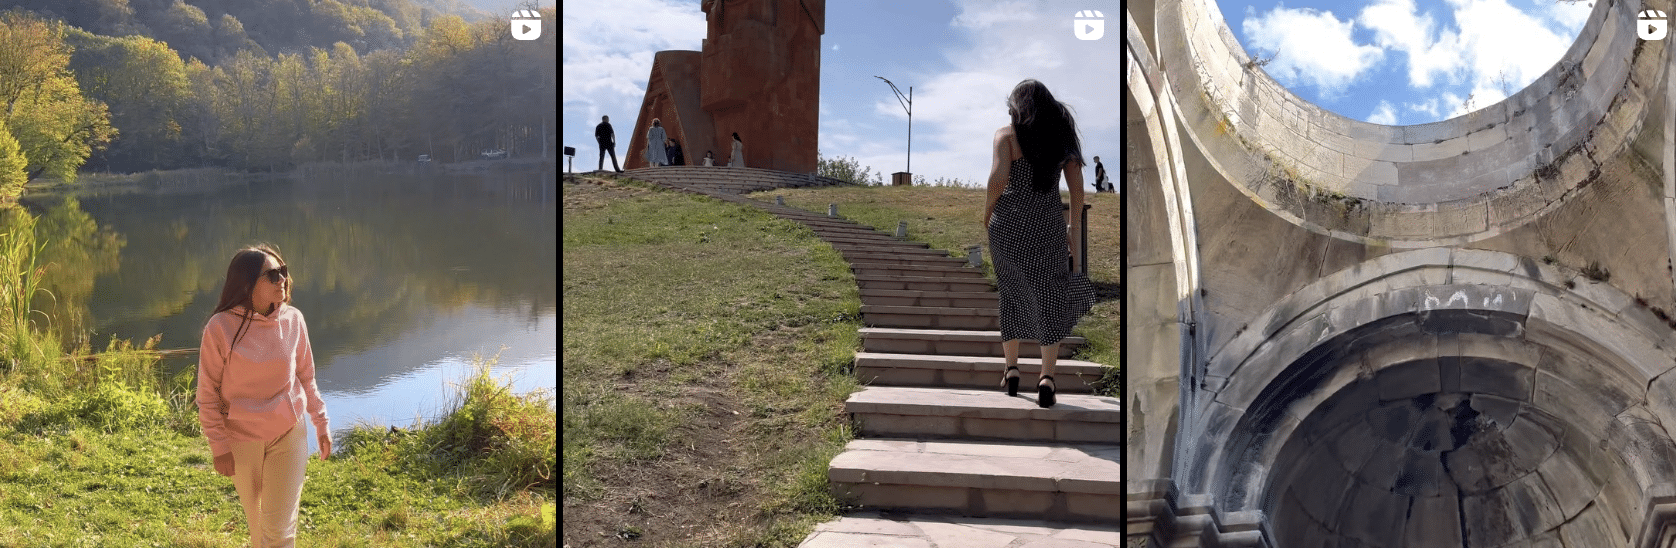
(402, 278)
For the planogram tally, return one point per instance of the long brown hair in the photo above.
(1046, 132)
(242, 274)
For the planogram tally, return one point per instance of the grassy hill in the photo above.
(707, 354)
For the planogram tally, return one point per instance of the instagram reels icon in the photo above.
(1089, 25)
(1651, 26)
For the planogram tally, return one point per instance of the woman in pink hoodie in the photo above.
(255, 386)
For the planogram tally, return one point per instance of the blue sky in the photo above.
(1402, 62)
(961, 57)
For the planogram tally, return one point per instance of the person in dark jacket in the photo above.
(1101, 183)
(607, 143)
(674, 152)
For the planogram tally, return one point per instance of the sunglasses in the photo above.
(278, 274)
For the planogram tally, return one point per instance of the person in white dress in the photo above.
(709, 159)
(656, 139)
(738, 152)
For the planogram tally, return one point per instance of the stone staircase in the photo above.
(943, 450)
(729, 180)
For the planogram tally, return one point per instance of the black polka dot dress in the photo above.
(1041, 299)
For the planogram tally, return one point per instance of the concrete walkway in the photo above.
(953, 460)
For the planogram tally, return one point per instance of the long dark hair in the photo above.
(242, 274)
(1047, 134)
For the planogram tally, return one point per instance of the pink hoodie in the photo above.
(268, 385)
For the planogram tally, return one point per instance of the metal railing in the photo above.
(1084, 248)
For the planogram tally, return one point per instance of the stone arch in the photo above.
(1423, 338)
(1444, 183)
(1161, 254)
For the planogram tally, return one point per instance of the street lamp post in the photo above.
(907, 106)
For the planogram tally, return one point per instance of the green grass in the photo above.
(706, 344)
(102, 450)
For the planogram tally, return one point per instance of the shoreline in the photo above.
(198, 179)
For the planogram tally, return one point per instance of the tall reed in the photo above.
(23, 349)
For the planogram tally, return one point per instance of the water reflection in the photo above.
(401, 278)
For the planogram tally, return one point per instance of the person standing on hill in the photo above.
(738, 152)
(1042, 293)
(607, 143)
(656, 140)
(1101, 183)
(255, 387)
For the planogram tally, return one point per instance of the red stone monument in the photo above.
(758, 76)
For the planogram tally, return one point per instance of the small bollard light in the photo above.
(780, 201)
(974, 256)
(902, 230)
(831, 210)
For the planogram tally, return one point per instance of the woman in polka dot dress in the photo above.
(1042, 295)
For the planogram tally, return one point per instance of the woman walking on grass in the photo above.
(1042, 293)
(255, 386)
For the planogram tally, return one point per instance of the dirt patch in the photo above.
(590, 192)
(712, 483)
(691, 496)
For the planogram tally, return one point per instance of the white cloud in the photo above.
(1396, 26)
(1490, 41)
(1452, 48)
(1501, 38)
(1383, 114)
(979, 16)
(608, 57)
(1314, 48)
(1429, 107)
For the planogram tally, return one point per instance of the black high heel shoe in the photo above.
(1011, 381)
(1044, 391)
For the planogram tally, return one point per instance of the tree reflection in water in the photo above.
(372, 256)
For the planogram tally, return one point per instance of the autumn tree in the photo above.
(12, 164)
(144, 83)
(55, 126)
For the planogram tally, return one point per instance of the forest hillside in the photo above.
(135, 85)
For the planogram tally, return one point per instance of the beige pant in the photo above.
(269, 479)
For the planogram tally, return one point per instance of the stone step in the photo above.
(801, 214)
(960, 299)
(952, 342)
(896, 248)
(838, 226)
(882, 269)
(914, 283)
(829, 233)
(931, 317)
(976, 372)
(942, 413)
(925, 530)
(734, 176)
(1059, 481)
(919, 259)
(874, 240)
